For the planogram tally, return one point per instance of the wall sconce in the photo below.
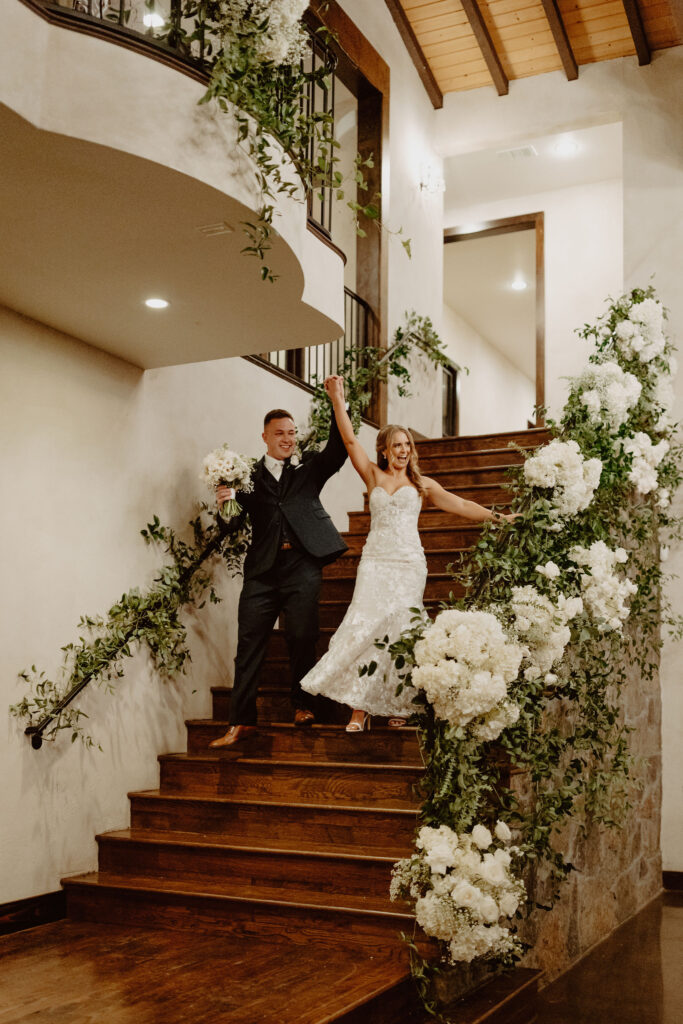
(430, 181)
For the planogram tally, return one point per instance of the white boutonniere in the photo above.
(295, 461)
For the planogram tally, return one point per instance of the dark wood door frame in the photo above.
(504, 226)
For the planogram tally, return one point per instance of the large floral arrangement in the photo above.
(536, 653)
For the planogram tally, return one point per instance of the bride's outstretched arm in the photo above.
(334, 386)
(443, 499)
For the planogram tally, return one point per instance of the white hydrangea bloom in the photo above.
(605, 593)
(648, 315)
(561, 466)
(491, 726)
(646, 458)
(440, 846)
(542, 626)
(641, 334)
(608, 393)
(464, 663)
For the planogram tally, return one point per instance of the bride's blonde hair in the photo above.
(385, 440)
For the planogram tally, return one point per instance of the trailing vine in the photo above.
(560, 608)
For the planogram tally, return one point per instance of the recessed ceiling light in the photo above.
(566, 147)
(519, 285)
(156, 303)
(152, 20)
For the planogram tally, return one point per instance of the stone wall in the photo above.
(617, 870)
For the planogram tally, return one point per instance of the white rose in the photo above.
(481, 837)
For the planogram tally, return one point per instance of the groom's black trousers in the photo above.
(290, 588)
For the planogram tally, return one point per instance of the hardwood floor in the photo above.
(76, 972)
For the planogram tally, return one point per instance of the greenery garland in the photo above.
(592, 501)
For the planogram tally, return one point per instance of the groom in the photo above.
(292, 538)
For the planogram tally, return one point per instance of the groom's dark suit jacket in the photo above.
(292, 506)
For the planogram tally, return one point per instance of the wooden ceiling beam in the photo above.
(635, 23)
(418, 58)
(488, 50)
(552, 13)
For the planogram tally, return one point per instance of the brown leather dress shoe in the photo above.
(235, 734)
(302, 716)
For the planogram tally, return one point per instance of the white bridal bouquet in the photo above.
(462, 886)
(224, 466)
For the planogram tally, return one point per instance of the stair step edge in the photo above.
(155, 794)
(182, 758)
(188, 839)
(141, 883)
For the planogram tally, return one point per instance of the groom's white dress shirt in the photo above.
(274, 466)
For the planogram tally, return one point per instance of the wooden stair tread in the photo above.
(289, 726)
(214, 759)
(354, 808)
(275, 846)
(259, 894)
(529, 432)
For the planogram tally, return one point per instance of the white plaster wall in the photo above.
(91, 448)
(494, 394)
(583, 265)
(649, 103)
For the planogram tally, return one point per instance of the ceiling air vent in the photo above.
(222, 228)
(519, 153)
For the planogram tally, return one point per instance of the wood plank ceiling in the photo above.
(466, 44)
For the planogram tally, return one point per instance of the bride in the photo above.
(391, 574)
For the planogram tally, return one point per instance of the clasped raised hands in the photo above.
(334, 386)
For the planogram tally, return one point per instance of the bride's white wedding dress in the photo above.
(391, 579)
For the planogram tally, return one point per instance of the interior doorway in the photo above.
(494, 286)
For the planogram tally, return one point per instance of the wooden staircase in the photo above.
(291, 838)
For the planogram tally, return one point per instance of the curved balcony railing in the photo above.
(176, 33)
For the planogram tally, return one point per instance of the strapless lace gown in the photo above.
(391, 579)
